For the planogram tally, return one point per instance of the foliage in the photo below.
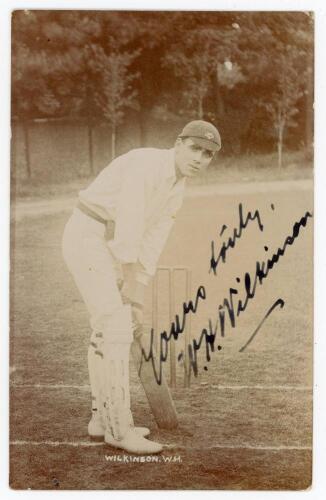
(197, 60)
(90, 64)
(282, 103)
(115, 93)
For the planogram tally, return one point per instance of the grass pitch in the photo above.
(245, 421)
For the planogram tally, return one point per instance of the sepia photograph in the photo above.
(161, 249)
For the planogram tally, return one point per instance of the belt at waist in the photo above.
(88, 211)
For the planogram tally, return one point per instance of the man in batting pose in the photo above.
(111, 245)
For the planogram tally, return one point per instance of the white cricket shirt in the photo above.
(139, 192)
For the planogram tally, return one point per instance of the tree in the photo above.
(219, 63)
(281, 104)
(196, 70)
(115, 93)
(48, 70)
(269, 46)
(201, 61)
(31, 92)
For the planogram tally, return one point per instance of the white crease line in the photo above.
(52, 386)
(55, 443)
(241, 447)
(263, 387)
(201, 386)
(169, 447)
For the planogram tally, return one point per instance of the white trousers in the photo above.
(96, 273)
(93, 268)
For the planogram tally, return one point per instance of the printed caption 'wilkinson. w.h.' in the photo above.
(126, 459)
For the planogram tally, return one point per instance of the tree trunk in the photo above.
(27, 150)
(142, 129)
(200, 108)
(113, 140)
(219, 98)
(280, 145)
(90, 149)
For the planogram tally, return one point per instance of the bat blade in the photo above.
(158, 395)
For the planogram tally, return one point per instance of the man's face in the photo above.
(190, 158)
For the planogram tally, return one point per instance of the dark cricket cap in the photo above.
(203, 133)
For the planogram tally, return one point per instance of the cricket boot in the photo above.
(96, 427)
(132, 442)
(119, 431)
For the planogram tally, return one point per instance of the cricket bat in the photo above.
(158, 395)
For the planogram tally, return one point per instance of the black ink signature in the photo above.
(278, 303)
(237, 232)
(228, 306)
(208, 335)
(176, 329)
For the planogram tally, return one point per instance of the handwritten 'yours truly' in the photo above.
(237, 233)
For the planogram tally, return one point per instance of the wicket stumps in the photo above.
(172, 274)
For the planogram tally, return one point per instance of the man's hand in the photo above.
(132, 290)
